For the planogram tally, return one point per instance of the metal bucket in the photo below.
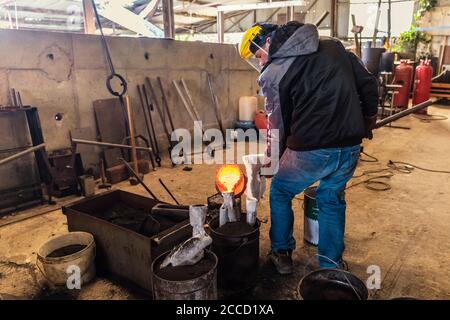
(202, 286)
(311, 213)
(331, 284)
(238, 258)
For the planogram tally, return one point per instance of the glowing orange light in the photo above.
(230, 178)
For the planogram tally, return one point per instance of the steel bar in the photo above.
(158, 110)
(19, 99)
(188, 93)
(136, 175)
(161, 117)
(319, 21)
(403, 113)
(165, 103)
(106, 144)
(152, 125)
(157, 158)
(14, 98)
(216, 103)
(185, 103)
(168, 191)
(22, 153)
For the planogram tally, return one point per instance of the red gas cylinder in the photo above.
(403, 76)
(261, 120)
(422, 84)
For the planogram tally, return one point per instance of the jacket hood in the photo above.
(303, 41)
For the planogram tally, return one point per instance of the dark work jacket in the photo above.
(317, 93)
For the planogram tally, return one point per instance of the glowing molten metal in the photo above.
(230, 178)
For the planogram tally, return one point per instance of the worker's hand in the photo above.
(265, 169)
(369, 124)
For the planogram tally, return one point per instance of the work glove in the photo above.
(369, 124)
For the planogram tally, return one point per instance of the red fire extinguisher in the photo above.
(422, 84)
(403, 76)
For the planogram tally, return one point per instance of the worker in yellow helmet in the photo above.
(254, 40)
(321, 102)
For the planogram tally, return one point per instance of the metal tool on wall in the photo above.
(155, 103)
(151, 137)
(103, 184)
(165, 104)
(149, 106)
(16, 99)
(215, 103)
(121, 94)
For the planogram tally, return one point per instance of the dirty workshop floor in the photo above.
(404, 231)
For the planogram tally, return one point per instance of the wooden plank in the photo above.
(440, 85)
(440, 95)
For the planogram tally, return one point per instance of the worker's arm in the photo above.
(367, 86)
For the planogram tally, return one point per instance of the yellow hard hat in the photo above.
(247, 40)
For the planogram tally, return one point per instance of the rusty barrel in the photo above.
(236, 245)
(196, 282)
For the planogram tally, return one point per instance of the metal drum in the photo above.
(197, 282)
(331, 284)
(238, 256)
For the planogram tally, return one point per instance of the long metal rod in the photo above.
(150, 108)
(138, 179)
(185, 103)
(150, 138)
(403, 113)
(22, 153)
(216, 103)
(188, 93)
(319, 21)
(165, 103)
(168, 191)
(106, 144)
(158, 109)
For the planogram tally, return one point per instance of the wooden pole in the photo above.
(89, 19)
(168, 19)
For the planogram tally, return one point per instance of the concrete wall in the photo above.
(65, 73)
(438, 17)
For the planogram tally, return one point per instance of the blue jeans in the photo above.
(333, 167)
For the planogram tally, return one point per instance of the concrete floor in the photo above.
(404, 231)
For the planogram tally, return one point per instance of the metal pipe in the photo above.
(136, 175)
(106, 144)
(168, 191)
(321, 18)
(402, 114)
(22, 153)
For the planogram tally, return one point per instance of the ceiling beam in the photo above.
(261, 5)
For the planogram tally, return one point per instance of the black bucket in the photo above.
(238, 256)
(331, 284)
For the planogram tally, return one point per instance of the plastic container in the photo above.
(56, 256)
(247, 108)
